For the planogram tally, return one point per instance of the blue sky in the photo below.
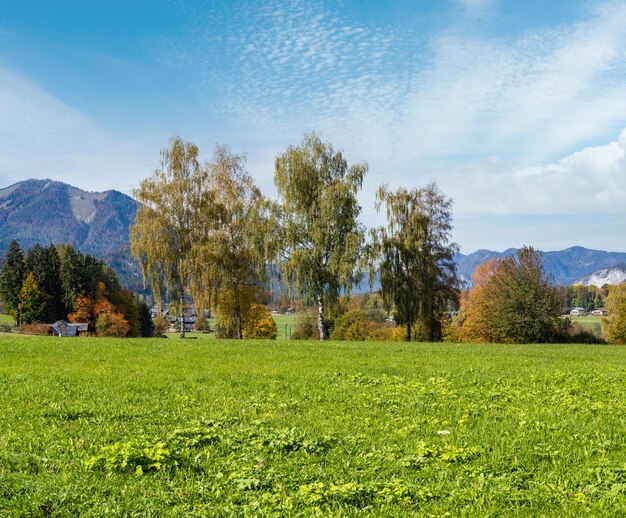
(515, 108)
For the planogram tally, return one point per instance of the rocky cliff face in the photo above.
(612, 276)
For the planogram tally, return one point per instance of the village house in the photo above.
(63, 328)
(190, 317)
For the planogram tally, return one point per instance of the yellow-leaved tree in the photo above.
(477, 306)
(173, 221)
(615, 324)
(200, 233)
(319, 243)
(260, 324)
(232, 260)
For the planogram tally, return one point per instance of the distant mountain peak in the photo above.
(49, 212)
(35, 211)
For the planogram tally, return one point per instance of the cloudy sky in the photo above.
(516, 108)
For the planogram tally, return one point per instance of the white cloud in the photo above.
(589, 181)
(479, 113)
(577, 200)
(407, 102)
(529, 99)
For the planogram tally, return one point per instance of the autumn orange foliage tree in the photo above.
(101, 315)
(477, 306)
(112, 324)
(513, 301)
(83, 311)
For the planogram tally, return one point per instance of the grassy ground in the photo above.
(589, 323)
(102, 427)
(281, 322)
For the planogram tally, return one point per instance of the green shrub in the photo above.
(359, 325)
(202, 324)
(381, 332)
(161, 325)
(356, 331)
(306, 325)
(352, 323)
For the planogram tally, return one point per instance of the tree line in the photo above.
(586, 297)
(205, 232)
(57, 282)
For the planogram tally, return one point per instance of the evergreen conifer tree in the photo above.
(12, 279)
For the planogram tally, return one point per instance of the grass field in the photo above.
(281, 322)
(589, 323)
(102, 427)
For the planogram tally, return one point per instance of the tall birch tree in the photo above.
(320, 238)
(172, 221)
(233, 255)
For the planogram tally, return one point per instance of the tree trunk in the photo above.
(182, 314)
(238, 319)
(408, 331)
(426, 318)
(239, 324)
(320, 317)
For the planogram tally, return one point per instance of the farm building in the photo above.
(63, 328)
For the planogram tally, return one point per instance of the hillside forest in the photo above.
(47, 284)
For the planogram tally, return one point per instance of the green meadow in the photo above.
(284, 324)
(6, 319)
(589, 323)
(156, 427)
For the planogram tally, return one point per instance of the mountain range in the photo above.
(47, 211)
(569, 266)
